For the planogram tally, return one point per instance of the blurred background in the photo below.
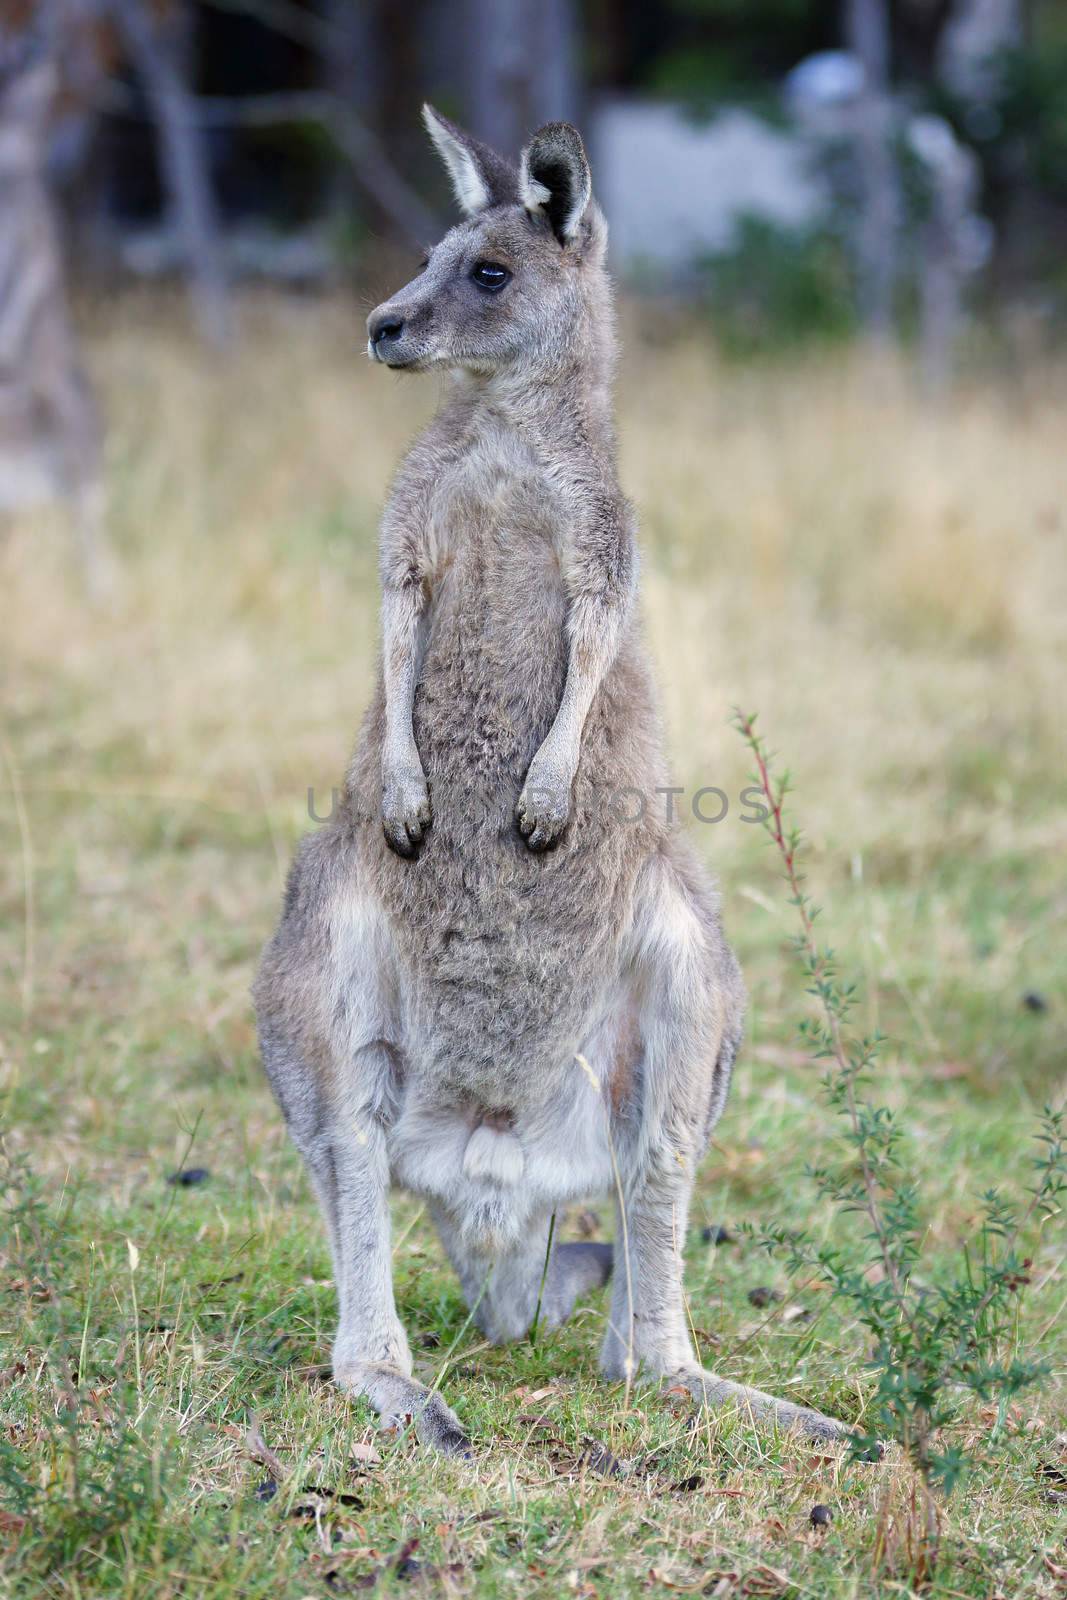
(837, 228)
(802, 169)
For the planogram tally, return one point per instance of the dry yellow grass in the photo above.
(890, 580)
(887, 585)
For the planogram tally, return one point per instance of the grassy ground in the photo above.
(888, 588)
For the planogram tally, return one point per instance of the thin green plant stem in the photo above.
(544, 1276)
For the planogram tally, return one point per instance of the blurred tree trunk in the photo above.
(974, 38)
(350, 66)
(520, 68)
(947, 242)
(970, 64)
(49, 426)
(371, 70)
(867, 37)
(83, 49)
(559, 100)
(154, 46)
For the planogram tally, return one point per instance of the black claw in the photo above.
(404, 850)
(453, 1442)
(541, 843)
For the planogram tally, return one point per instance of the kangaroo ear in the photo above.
(554, 178)
(479, 176)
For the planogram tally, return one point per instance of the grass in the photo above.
(887, 585)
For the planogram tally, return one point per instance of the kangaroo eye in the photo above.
(487, 275)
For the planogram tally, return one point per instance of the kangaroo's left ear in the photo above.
(480, 177)
(554, 178)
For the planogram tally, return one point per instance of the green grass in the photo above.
(155, 768)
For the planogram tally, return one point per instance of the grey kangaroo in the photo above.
(500, 979)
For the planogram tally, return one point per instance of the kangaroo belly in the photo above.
(492, 1172)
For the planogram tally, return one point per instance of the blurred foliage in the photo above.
(1020, 138)
(780, 288)
(705, 52)
(1033, 114)
(703, 82)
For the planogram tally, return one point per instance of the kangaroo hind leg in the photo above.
(343, 1147)
(321, 1007)
(688, 995)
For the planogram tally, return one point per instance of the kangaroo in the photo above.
(500, 979)
(49, 431)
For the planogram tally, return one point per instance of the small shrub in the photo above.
(779, 288)
(939, 1330)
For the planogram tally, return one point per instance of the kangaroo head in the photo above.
(516, 284)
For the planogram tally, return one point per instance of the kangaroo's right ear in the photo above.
(479, 176)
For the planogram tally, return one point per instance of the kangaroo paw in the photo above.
(713, 1392)
(406, 814)
(399, 1399)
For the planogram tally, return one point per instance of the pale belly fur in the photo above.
(494, 1178)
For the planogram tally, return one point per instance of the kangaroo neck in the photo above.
(554, 413)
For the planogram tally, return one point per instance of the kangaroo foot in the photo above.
(399, 1399)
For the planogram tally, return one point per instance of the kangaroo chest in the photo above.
(505, 950)
(495, 657)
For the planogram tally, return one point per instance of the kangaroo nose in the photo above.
(385, 327)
